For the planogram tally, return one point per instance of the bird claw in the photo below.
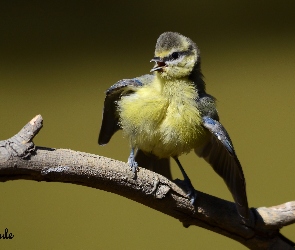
(193, 195)
(133, 165)
(187, 186)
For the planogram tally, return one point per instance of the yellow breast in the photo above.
(162, 118)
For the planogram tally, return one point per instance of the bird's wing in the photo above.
(220, 154)
(110, 117)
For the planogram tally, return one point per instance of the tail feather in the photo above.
(153, 163)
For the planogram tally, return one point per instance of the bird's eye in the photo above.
(175, 55)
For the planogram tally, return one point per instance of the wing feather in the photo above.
(110, 116)
(220, 154)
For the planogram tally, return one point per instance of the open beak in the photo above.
(160, 64)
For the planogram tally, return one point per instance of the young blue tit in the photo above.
(168, 113)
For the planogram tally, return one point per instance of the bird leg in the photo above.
(131, 161)
(187, 182)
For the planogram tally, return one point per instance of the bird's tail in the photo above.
(153, 163)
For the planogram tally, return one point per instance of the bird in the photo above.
(167, 113)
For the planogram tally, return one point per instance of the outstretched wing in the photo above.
(220, 154)
(110, 117)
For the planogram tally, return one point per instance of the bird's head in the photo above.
(175, 55)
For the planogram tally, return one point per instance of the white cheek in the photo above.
(175, 62)
(190, 64)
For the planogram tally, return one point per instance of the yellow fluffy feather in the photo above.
(162, 118)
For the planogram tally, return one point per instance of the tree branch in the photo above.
(20, 159)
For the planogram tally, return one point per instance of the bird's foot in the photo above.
(187, 186)
(132, 163)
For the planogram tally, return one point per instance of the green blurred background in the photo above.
(58, 57)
